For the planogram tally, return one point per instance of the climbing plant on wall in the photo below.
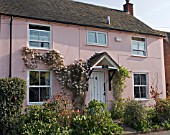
(118, 82)
(76, 80)
(118, 86)
(71, 77)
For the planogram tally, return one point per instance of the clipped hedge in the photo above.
(12, 94)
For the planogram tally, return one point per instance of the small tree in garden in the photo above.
(12, 94)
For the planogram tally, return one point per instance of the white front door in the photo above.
(97, 86)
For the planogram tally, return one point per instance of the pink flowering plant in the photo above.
(73, 77)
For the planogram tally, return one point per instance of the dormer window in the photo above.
(138, 46)
(96, 38)
(39, 36)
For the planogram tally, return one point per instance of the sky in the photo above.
(154, 13)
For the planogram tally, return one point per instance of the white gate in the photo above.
(97, 86)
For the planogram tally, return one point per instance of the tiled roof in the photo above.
(165, 34)
(71, 12)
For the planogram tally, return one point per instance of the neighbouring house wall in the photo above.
(71, 42)
(167, 65)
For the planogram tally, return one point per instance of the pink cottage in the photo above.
(105, 37)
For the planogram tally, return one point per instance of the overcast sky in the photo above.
(155, 13)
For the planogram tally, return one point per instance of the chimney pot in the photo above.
(128, 7)
(127, 1)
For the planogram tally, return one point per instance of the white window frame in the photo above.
(136, 49)
(97, 44)
(28, 33)
(147, 86)
(28, 86)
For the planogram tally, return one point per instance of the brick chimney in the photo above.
(128, 7)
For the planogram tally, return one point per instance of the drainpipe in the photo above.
(10, 53)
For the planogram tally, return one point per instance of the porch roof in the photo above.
(98, 57)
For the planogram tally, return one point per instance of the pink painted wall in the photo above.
(71, 42)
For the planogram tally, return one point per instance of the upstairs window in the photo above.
(39, 36)
(140, 86)
(138, 46)
(96, 38)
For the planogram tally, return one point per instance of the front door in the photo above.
(97, 86)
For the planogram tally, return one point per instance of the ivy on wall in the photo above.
(72, 77)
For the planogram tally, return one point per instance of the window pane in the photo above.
(34, 35)
(136, 79)
(136, 92)
(44, 93)
(142, 53)
(39, 27)
(135, 45)
(44, 36)
(34, 44)
(44, 45)
(101, 38)
(143, 79)
(138, 39)
(92, 37)
(33, 94)
(34, 78)
(142, 46)
(143, 92)
(44, 78)
(135, 52)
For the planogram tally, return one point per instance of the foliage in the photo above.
(119, 82)
(135, 115)
(31, 58)
(72, 77)
(53, 117)
(97, 120)
(57, 116)
(12, 95)
(118, 86)
(118, 108)
(163, 110)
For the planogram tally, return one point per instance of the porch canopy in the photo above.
(103, 61)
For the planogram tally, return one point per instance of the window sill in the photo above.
(141, 99)
(140, 56)
(97, 45)
(35, 103)
(36, 48)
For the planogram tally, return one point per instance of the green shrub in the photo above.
(53, 117)
(12, 94)
(97, 120)
(117, 110)
(163, 110)
(135, 115)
